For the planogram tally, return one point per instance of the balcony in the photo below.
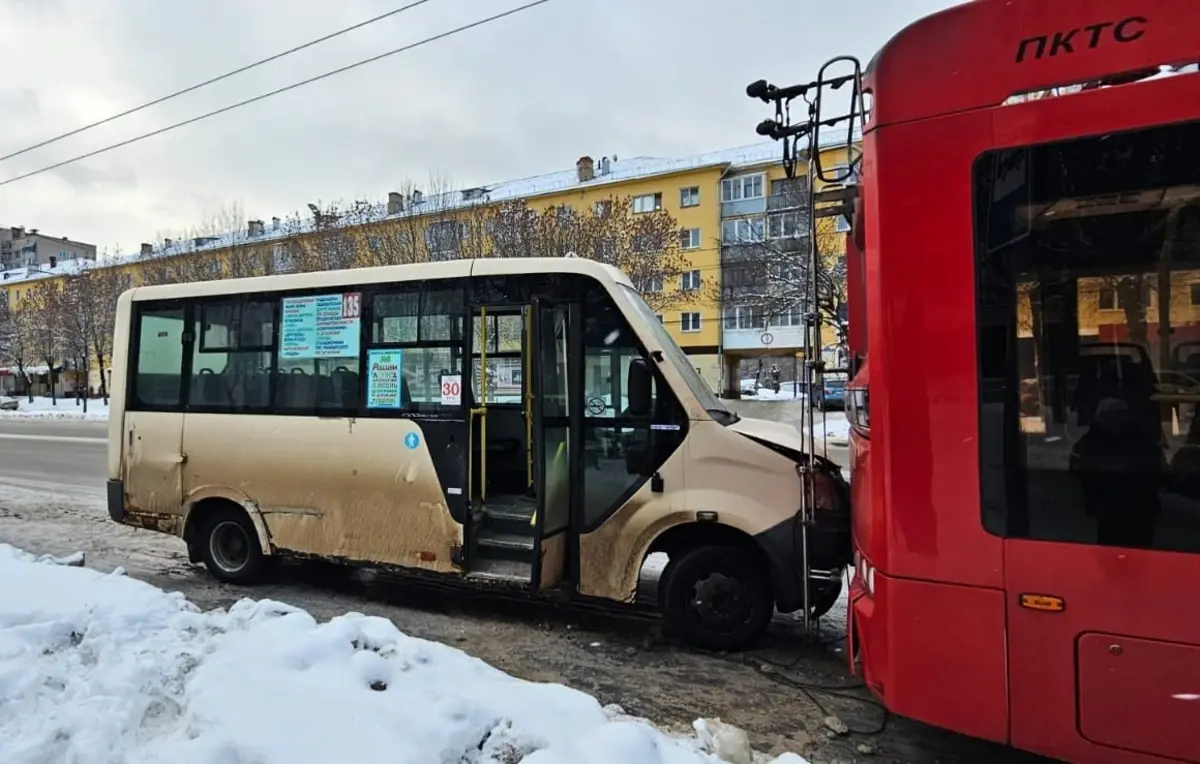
(769, 340)
(740, 207)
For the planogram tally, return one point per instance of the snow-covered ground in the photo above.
(65, 408)
(834, 427)
(102, 668)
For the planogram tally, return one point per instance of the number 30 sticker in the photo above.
(452, 390)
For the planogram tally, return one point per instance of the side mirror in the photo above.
(639, 388)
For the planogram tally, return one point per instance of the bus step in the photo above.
(508, 571)
(517, 520)
(505, 546)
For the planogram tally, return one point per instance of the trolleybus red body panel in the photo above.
(1103, 663)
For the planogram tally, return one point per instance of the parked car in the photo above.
(9, 404)
(832, 395)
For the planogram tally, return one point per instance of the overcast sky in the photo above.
(525, 95)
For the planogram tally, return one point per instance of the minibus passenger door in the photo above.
(552, 442)
(152, 453)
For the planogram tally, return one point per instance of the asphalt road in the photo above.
(63, 453)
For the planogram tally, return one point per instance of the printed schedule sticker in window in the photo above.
(321, 326)
(383, 379)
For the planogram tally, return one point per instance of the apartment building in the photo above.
(730, 206)
(22, 248)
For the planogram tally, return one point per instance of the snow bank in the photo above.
(44, 408)
(106, 669)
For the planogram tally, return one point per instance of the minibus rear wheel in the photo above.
(717, 597)
(229, 546)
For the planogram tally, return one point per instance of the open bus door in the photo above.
(553, 455)
(520, 445)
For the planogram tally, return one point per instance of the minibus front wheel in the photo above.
(717, 597)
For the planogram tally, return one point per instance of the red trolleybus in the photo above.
(1026, 488)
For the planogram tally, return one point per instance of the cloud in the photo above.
(526, 95)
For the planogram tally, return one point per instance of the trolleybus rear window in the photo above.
(1088, 288)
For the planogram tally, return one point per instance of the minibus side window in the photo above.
(622, 447)
(415, 348)
(231, 354)
(158, 363)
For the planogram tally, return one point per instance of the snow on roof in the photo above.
(619, 171)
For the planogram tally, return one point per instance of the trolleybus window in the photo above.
(1087, 253)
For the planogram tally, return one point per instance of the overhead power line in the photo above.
(225, 76)
(264, 96)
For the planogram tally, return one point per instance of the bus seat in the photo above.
(256, 389)
(208, 389)
(296, 391)
(345, 388)
(405, 393)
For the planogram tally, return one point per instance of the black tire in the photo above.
(717, 597)
(229, 547)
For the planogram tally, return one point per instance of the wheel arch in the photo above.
(770, 548)
(678, 538)
(201, 503)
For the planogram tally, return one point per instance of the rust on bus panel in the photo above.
(368, 493)
(154, 521)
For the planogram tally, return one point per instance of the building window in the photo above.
(841, 224)
(689, 321)
(652, 285)
(443, 237)
(1111, 296)
(602, 208)
(659, 316)
(1195, 294)
(744, 187)
(689, 238)
(647, 203)
(691, 280)
(785, 225)
(743, 317)
(793, 187)
(793, 316)
(689, 197)
(1106, 299)
(742, 230)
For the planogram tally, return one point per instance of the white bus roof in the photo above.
(450, 269)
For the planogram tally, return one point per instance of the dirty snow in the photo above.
(833, 428)
(45, 408)
(103, 668)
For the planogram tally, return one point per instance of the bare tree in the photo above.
(15, 347)
(104, 286)
(766, 263)
(75, 315)
(646, 246)
(42, 318)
